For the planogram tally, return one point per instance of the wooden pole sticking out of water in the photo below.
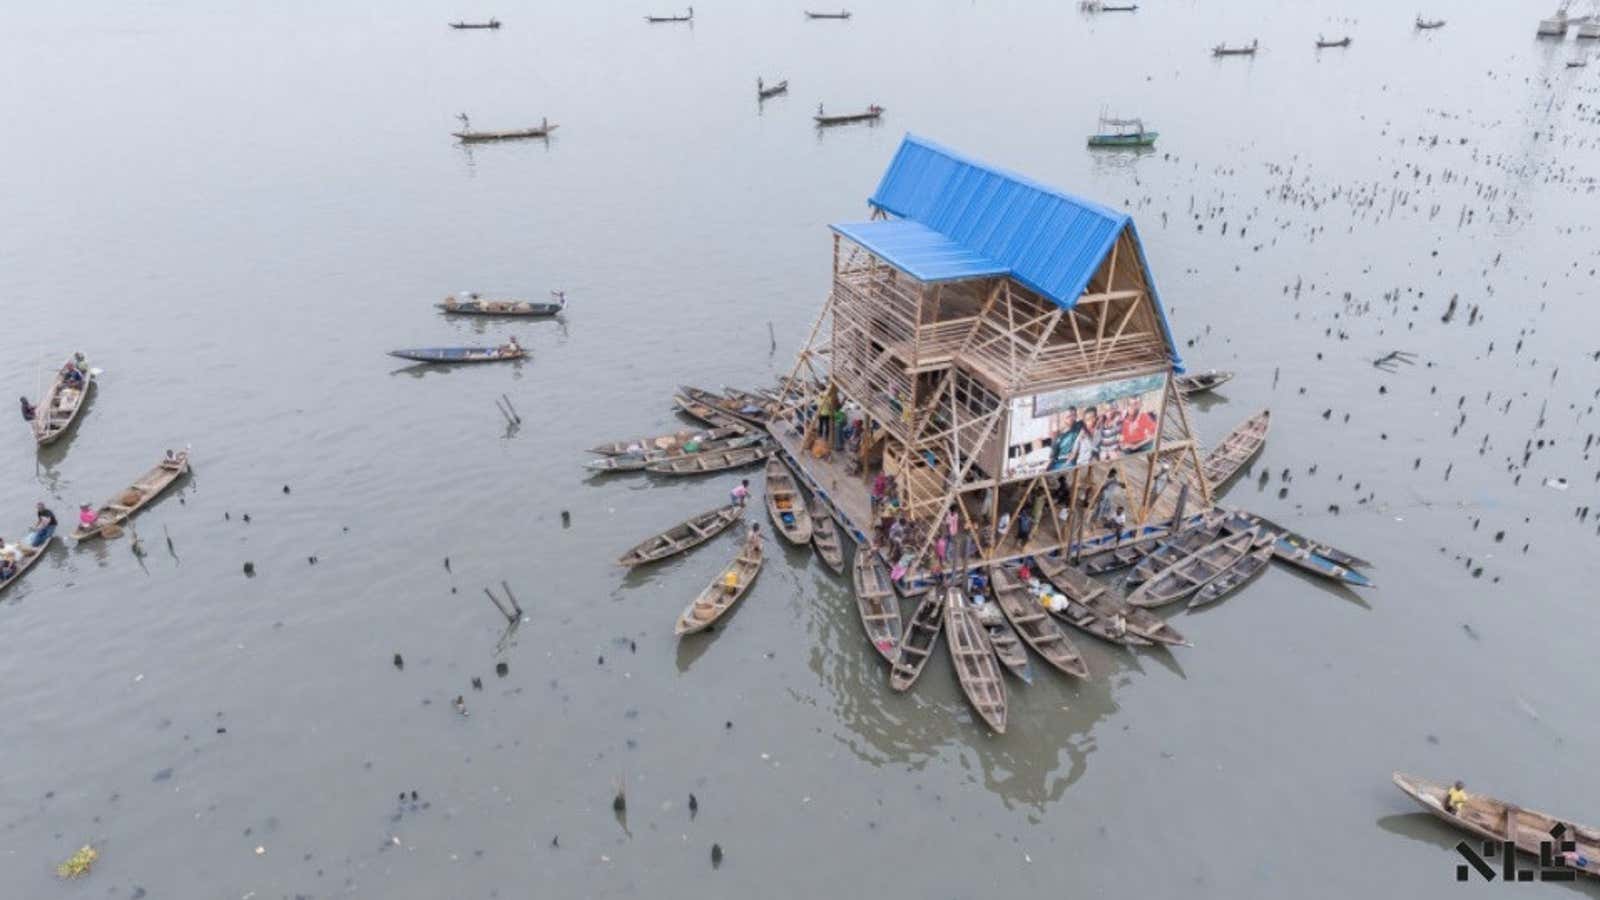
(515, 416)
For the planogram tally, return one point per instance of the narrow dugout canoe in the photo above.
(918, 641)
(482, 307)
(1171, 549)
(690, 533)
(1234, 577)
(1241, 444)
(1201, 382)
(754, 413)
(1006, 644)
(871, 114)
(1107, 608)
(663, 442)
(786, 505)
(634, 462)
(702, 463)
(1240, 520)
(1128, 553)
(976, 668)
(723, 592)
(541, 130)
(1497, 820)
(1034, 624)
(135, 497)
(26, 563)
(59, 408)
(1193, 572)
(459, 354)
(825, 537)
(707, 414)
(877, 603)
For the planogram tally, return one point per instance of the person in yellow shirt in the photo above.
(1455, 797)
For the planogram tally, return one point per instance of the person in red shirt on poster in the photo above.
(1138, 428)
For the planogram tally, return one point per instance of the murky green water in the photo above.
(235, 212)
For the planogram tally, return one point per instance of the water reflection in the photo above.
(1051, 723)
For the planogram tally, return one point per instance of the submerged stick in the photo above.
(514, 414)
(509, 596)
(500, 606)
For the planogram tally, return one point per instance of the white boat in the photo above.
(1556, 25)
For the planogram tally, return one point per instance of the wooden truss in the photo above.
(935, 367)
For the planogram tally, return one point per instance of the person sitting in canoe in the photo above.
(74, 370)
(511, 347)
(87, 516)
(174, 459)
(1455, 798)
(44, 525)
(15, 553)
(8, 569)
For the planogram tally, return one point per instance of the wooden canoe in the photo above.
(478, 137)
(1200, 382)
(59, 408)
(707, 414)
(482, 307)
(1238, 448)
(458, 354)
(1193, 572)
(719, 597)
(1342, 42)
(687, 17)
(1034, 624)
(917, 642)
(1120, 556)
(1171, 549)
(135, 497)
(975, 664)
(702, 463)
(755, 414)
(690, 533)
(825, 537)
(841, 14)
(1106, 609)
(26, 563)
(1239, 520)
(877, 603)
(764, 92)
(665, 442)
(634, 462)
(752, 403)
(1004, 642)
(786, 505)
(608, 464)
(1234, 577)
(492, 23)
(1497, 820)
(872, 114)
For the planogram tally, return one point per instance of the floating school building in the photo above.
(1004, 347)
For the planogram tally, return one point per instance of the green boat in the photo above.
(1122, 133)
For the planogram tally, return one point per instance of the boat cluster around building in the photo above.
(990, 407)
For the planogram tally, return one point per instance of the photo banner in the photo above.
(1060, 430)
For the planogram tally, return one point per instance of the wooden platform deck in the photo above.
(849, 498)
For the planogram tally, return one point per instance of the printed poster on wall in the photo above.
(1060, 430)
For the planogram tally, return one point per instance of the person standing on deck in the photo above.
(897, 537)
(880, 487)
(952, 522)
(1120, 519)
(824, 414)
(839, 418)
(1110, 493)
(1024, 528)
(1002, 528)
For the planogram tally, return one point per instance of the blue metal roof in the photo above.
(921, 252)
(959, 218)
